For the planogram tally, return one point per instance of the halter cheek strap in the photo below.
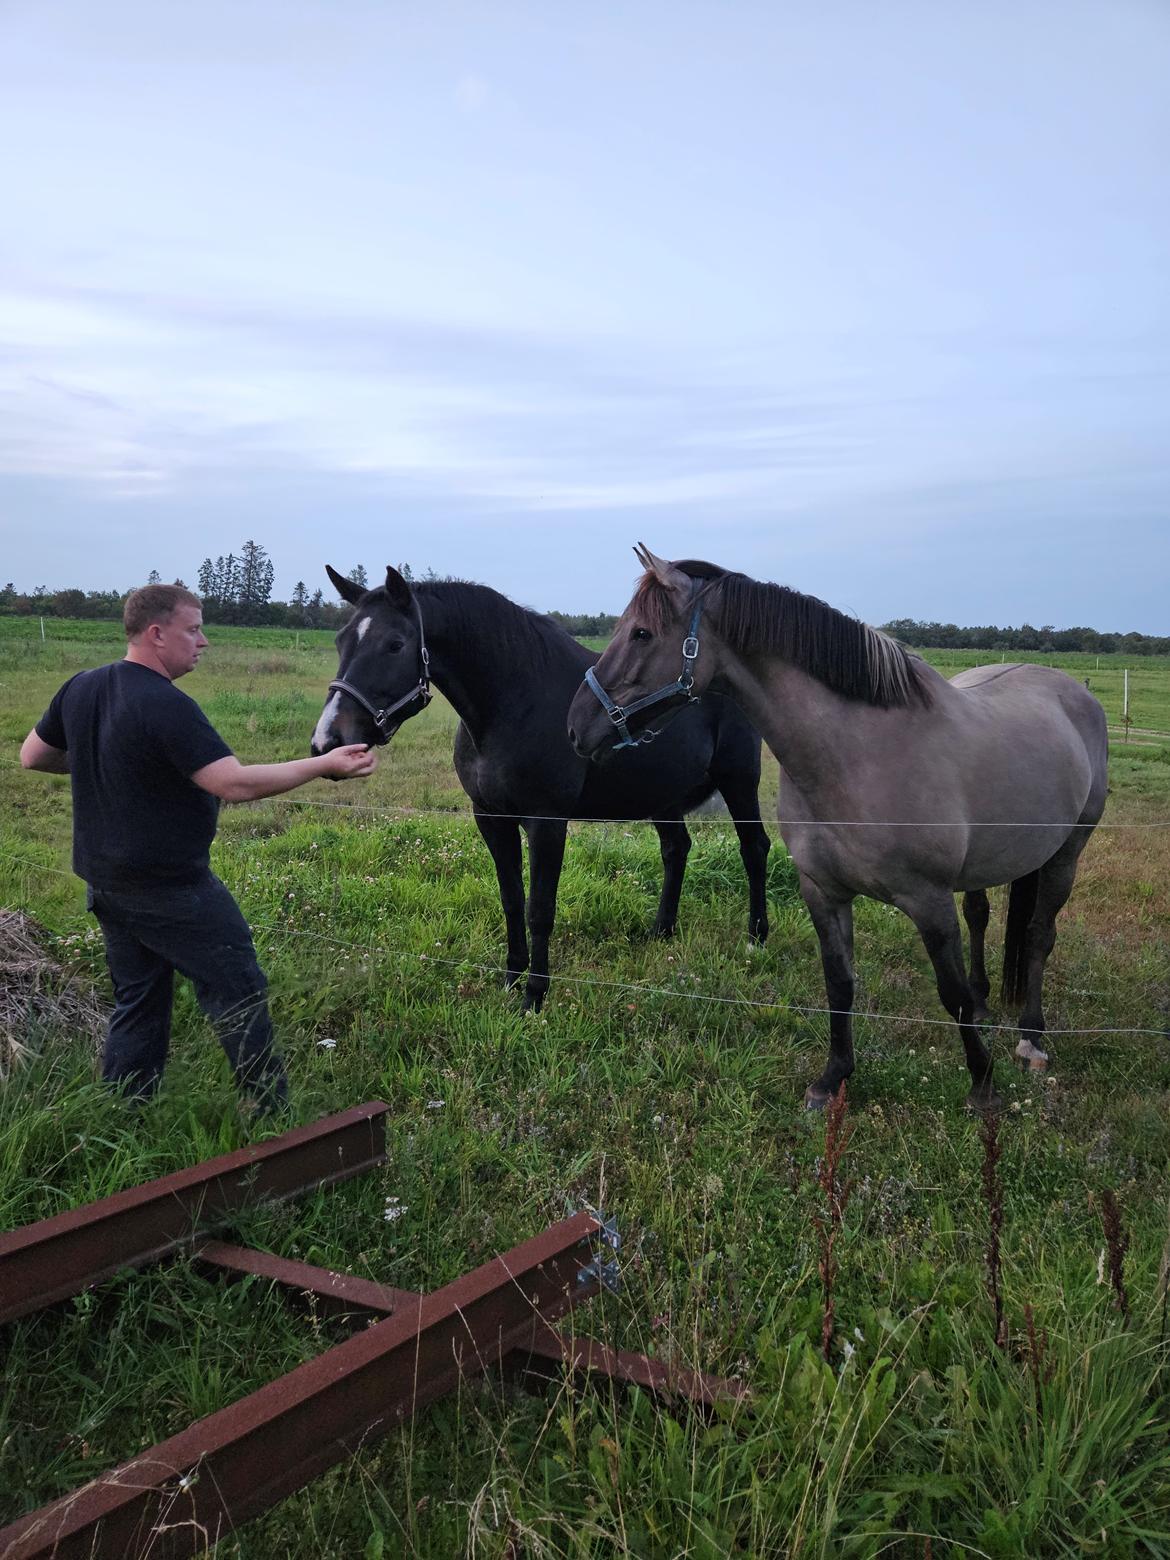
(420, 695)
(678, 692)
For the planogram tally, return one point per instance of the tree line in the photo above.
(237, 588)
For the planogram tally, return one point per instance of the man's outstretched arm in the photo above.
(36, 753)
(232, 781)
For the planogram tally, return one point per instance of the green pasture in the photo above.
(663, 1081)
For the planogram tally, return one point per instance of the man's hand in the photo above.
(347, 763)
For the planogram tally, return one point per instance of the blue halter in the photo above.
(678, 692)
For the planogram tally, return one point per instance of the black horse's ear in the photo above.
(397, 589)
(346, 589)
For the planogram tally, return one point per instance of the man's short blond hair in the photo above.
(155, 604)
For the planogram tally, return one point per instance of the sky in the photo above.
(869, 299)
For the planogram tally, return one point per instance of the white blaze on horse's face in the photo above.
(325, 724)
(363, 628)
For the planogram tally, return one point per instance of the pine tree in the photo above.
(255, 576)
(359, 576)
(154, 577)
(299, 601)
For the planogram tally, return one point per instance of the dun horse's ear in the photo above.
(346, 589)
(662, 570)
(397, 589)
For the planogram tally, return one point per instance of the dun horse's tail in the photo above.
(1021, 904)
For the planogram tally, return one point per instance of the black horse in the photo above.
(510, 675)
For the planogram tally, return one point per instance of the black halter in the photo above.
(678, 692)
(419, 695)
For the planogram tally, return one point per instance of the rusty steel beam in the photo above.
(338, 1294)
(48, 1261)
(343, 1294)
(584, 1357)
(183, 1495)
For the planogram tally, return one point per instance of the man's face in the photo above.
(179, 641)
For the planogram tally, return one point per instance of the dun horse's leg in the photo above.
(977, 913)
(833, 919)
(676, 847)
(743, 802)
(502, 838)
(546, 854)
(937, 920)
(1054, 886)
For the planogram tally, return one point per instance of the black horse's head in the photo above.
(383, 671)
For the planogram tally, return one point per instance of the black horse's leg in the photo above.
(743, 802)
(937, 920)
(833, 919)
(675, 841)
(1054, 887)
(546, 853)
(977, 913)
(502, 837)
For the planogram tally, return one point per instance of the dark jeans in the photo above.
(198, 930)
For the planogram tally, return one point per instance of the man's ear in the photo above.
(346, 589)
(397, 589)
(665, 573)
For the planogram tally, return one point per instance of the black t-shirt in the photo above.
(134, 740)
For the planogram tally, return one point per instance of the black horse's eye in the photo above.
(395, 646)
(641, 633)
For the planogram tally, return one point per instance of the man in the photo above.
(148, 773)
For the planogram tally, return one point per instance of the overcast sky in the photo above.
(869, 298)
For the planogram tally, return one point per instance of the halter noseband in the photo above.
(678, 692)
(421, 692)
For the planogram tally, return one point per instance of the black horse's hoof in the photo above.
(816, 1099)
(985, 1102)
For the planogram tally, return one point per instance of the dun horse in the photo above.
(510, 675)
(895, 783)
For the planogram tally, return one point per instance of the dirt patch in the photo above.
(36, 991)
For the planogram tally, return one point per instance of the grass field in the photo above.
(663, 1081)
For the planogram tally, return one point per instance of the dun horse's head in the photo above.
(662, 656)
(383, 670)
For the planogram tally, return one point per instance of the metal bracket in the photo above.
(604, 1270)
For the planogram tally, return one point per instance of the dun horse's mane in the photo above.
(754, 617)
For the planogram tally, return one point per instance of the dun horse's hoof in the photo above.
(816, 1099)
(1030, 1057)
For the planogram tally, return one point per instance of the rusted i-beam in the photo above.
(344, 1294)
(183, 1495)
(48, 1261)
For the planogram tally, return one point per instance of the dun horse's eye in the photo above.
(641, 633)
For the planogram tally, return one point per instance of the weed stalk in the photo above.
(993, 1199)
(829, 1222)
(1118, 1242)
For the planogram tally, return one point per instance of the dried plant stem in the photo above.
(829, 1222)
(993, 1198)
(1118, 1242)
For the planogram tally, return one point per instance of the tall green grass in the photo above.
(663, 1081)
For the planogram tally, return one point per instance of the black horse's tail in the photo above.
(1021, 904)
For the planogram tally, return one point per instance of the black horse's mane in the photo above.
(755, 617)
(482, 615)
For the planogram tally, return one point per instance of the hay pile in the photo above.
(37, 993)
